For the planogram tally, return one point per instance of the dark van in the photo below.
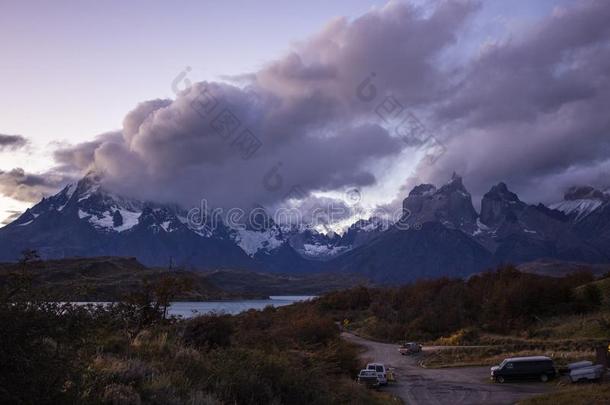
(524, 368)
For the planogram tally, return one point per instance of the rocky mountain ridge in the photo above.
(444, 235)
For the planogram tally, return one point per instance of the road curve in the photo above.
(460, 385)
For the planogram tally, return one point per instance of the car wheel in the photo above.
(500, 379)
(544, 377)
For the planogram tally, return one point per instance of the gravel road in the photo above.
(459, 385)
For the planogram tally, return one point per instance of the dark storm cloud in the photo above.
(79, 158)
(12, 142)
(399, 44)
(315, 134)
(29, 187)
(533, 111)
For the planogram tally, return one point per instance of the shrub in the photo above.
(592, 296)
(315, 329)
(210, 331)
(119, 394)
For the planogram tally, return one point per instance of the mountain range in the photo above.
(440, 233)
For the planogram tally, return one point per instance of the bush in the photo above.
(208, 332)
(315, 329)
(592, 296)
(39, 352)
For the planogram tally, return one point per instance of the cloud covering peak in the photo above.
(296, 123)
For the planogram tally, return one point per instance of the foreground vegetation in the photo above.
(590, 394)
(503, 302)
(131, 353)
(491, 316)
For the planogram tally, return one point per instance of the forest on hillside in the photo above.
(504, 301)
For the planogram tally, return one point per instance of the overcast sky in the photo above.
(513, 91)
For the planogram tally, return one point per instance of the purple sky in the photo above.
(516, 92)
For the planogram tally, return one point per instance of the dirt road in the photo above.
(463, 385)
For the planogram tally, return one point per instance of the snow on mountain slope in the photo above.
(319, 251)
(115, 218)
(578, 208)
(251, 241)
(85, 219)
(581, 201)
(87, 201)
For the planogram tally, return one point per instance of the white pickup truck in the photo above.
(585, 371)
(381, 372)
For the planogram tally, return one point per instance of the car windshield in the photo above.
(503, 363)
(379, 369)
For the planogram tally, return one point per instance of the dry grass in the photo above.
(489, 356)
(590, 394)
(467, 336)
(122, 370)
(119, 394)
(590, 326)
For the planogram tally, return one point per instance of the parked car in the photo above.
(368, 378)
(409, 348)
(381, 372)
(523, 368)
(585, 371)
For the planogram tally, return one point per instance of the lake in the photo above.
(190, 309)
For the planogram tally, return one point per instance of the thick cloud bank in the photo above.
(297, 126)
(535, 111)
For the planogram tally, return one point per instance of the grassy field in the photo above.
(565, 340)
(493, 355)
(594, 325)
(589, 394)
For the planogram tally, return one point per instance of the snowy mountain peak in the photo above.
(86, 201)
(450, 205)
(500, 192)
(423, 190)
(499, 206)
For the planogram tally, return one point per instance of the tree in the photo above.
(20, 282)
(150, 303)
